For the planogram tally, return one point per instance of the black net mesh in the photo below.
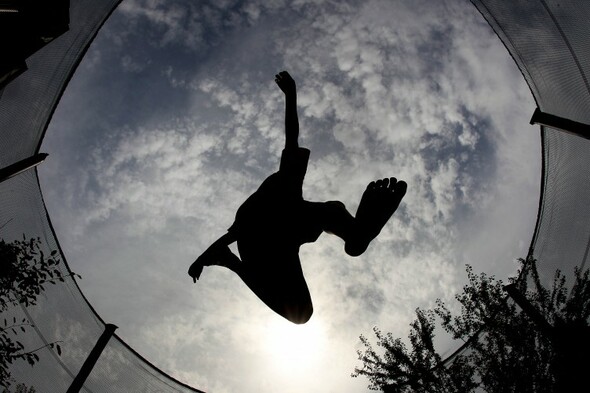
(62, 315)
(27, 103)
(548, 41)
(563, 234)
(120, 369)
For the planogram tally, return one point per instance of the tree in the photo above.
(509, 348)
(22, 388)
(26, 271)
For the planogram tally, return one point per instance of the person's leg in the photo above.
(378, 203)
(280, 284)
(331, 217)
(273, 273)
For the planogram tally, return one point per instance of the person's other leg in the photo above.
(378, 203)
(271, 271)
(280, 284)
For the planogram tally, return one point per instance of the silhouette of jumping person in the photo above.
(275, 221)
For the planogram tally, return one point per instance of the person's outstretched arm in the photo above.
(287, 85)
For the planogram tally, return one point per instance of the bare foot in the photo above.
(216, 255)
(378, 203)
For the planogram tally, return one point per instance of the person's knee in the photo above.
(303, 315)
(335, 219)
(333, 213)
(334, 207)
(354, 249)
(299, 314)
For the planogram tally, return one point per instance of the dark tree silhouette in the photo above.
(22, 388)
(538, 345)
(25, 272)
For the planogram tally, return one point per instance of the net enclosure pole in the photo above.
(21, 166)
(530, 310)
(560, 123)
(92, 358)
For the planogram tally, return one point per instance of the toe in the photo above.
(392, 183)
(401, 188)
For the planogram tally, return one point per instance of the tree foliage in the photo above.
(22, 388)
(26, 270)
(507, 351)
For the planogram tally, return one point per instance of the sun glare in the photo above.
(295, 348)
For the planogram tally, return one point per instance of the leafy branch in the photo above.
(26, 272)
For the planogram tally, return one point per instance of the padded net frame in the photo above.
(62, 313)
(548, 41)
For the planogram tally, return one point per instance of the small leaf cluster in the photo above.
(22, 388)
(26, 272)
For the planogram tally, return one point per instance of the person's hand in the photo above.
(285, 82)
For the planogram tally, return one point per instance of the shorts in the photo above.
(275, 219)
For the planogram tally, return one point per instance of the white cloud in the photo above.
(130, 65)
(176, 22)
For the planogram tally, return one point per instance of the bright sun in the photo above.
(296, 348)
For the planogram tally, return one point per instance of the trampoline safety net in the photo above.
(549, 42)
(547, 39)
(32, 85)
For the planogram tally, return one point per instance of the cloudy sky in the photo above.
(173, 119)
